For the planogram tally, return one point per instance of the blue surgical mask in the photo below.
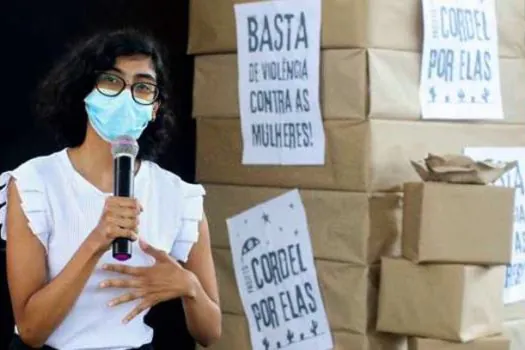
(112, 117)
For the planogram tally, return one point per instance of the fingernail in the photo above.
(105, 266)
(102, 285)
(111, 303)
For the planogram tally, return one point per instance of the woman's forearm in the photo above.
(47, 308)
(203, 315)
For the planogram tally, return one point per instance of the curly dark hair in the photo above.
(60, 97)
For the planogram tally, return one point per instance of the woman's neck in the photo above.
(93, 160)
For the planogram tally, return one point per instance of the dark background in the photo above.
(34, 34)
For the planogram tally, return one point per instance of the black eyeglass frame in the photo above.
(124, 86)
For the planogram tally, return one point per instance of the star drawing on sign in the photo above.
(266, 218)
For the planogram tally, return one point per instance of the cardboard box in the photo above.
(368, 156)
(489, 343)
(441, 221)
(394, 78)
(236, 336)
(349, 292)
(448, 302)
(515, 331)
(349, 227)
(351, 23)
(343, 79)
(355, 84)
(371, 341)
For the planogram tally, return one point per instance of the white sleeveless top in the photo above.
(62, 208)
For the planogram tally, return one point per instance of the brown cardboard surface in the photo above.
(351, 23)
(489, 343)
(515, 311)
(371, 341)
(460, 169)
(350, 227)
(515, 331)
(394, 86)
(349, 292)
(440, 222)
(235, 336)
(360, 156)
(392, 82)
(343, 78)
(448, 302)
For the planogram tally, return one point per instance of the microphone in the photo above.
(124, 150)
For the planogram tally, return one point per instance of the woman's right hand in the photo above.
(120, 218)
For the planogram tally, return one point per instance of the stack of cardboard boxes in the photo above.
(448, 289)
(369, 96)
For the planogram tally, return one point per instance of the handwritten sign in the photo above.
(460, 76)
(278, 61)
(276, 276)
(515, 279)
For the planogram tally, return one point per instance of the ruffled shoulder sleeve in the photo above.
(33, 200)
(192, 214)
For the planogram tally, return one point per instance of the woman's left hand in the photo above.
(165, 280)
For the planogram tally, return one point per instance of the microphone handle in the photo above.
(123, 180)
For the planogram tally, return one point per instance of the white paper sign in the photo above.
(276, 276)
(460, 77)
(278, 48)
(515, 279)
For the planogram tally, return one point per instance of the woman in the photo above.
(60, 219)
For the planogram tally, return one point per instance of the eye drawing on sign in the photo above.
(248, 246)
(276, 277)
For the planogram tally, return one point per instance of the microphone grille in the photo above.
(124, 145)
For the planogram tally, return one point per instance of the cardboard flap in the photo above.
(460, 169)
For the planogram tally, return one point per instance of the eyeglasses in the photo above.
(112, 85)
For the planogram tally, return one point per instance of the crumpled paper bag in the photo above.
(460, 169)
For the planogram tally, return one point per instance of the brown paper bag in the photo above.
(460, 169)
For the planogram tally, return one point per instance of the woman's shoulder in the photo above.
(165, 177)
(33, 170)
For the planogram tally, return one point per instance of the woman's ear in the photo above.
(156, 107)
